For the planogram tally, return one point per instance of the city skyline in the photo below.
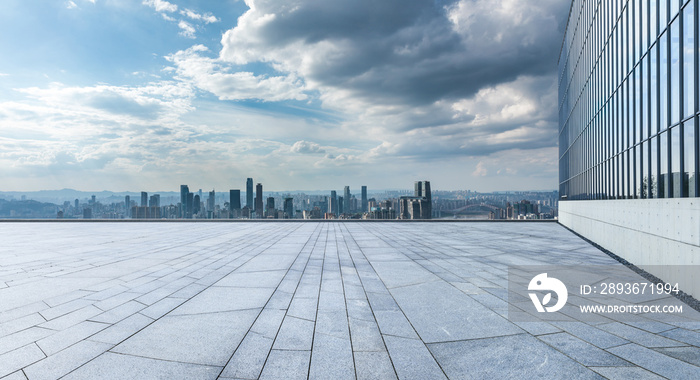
(303, 96)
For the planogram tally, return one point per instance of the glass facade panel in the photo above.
(663, 82)
(663, 165)
(654, 168)
(675, 175)
(628, 99)
(690, 150)
(675, 80)
(688, 60)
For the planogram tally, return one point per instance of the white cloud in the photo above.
(207, 17)
(4, 74)
(160, 5)
(71, 5)
(187, 30)
(306, 147)
(481, 170)
(214, 76)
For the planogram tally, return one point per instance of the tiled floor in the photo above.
(303, 300)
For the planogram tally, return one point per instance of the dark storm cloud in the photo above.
(403, 52)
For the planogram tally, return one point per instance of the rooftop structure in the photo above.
(331, 300)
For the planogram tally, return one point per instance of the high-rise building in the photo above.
(234, 200)
(249, 193)
(346, 200)
(154, 200)
(77, 203)
(628, 132)
(211, 204)
(192, 205)
(333, 203)
(127, 206)
(144, 199)
(184, 190)
(270, 209)
(419, 206)
(364, 199)
(194, 202)
(259, 211)
(289, 208)
(341, 205)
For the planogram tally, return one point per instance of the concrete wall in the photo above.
(645, 232)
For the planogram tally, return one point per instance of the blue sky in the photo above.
(298, 94)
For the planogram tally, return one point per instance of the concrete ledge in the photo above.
(277, 221)
(645, 232)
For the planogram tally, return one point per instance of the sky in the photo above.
(146, 95)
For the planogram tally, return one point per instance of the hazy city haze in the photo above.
(146, 95)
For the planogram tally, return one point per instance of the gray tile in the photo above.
(73, 318)
(118, 313)
(683, 335)
(19, 358)
(402, 273)
(394, 323)
(66, 361)
(687, 354)
(425, 306)
(18, 375)
(218, 299)
(162, 307)
(331, 358)
(656, 362)
(506, 357)
(638, 336)
(287, 365)
(626, 373)
(268, 323)
(123, 329)
(23, 338)
(248, 360)
(265, 279)
(412, 360)
(62, 339)
(126, 367)
(295, 334)
(20, 324)
(304, 308)
(592, 335)
(374, 366)
(208, 339)
(365, 336)
(581, 351)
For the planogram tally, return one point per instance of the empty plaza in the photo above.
(316, 300)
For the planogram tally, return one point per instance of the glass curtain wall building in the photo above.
(628, 100)
(628, 132)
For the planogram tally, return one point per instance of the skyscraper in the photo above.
(289, 208)
(364, 199)
(184, 190)
(259, 211)
(333, 203)
(127, 206)
(234, 200)
(211, 204)
(270, 209)
(154, 200)
(144, 199)
(628, 132)
(346, 200)
(249, 193)
(193, 204)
